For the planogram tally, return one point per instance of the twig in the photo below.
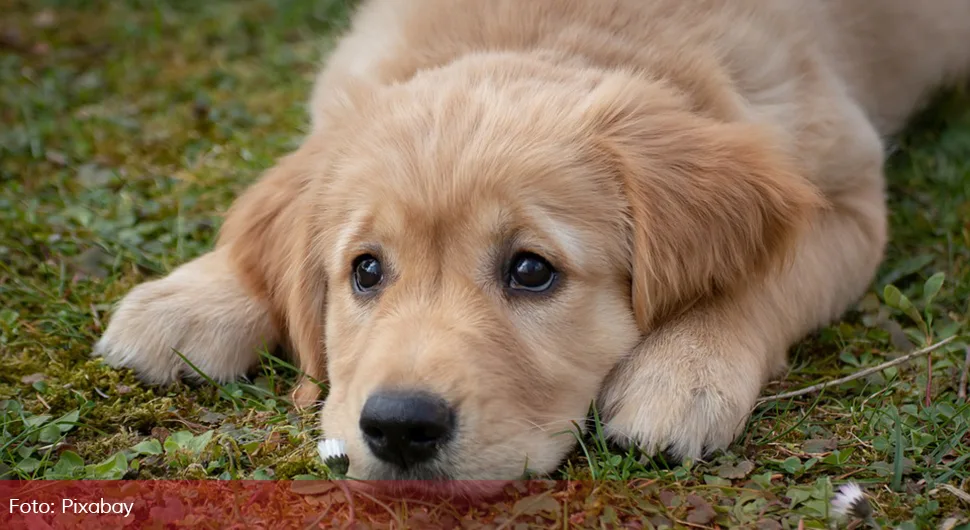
(962, 389)
(316, 522)
(928, 399)
(41, 399)
(350, 501)
(97, 319)
(962, 495)
(858, 375)
(382, 505)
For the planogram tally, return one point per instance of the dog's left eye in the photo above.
(368, 273)
(531, 272)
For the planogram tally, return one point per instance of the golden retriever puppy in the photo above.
(508, 210)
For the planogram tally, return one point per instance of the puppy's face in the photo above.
(477, 288)
(476, 233)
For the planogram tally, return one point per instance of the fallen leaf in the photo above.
(950, 523)
(212, 417)
(45, 19)
(32, 378)
(962, 495)
(55, 157)
(670, 499)
(536, 504)
(711, 480)
(311, 487)
(768, 524)
(735, 471)
(702, 511)
(819, 445)
(160, 432)
(332, 497)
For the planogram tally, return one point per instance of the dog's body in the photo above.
(704, 179)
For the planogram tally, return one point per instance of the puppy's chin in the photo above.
(452, 491)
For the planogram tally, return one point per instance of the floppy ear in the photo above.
(269, 239)
(270, 236)
(712, 205)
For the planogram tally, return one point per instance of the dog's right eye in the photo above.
(532, 273)
(368, 273)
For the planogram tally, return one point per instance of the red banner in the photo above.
(43, 505)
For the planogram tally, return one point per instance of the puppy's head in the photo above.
(496, 236)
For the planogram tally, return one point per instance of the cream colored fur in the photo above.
(707, 175)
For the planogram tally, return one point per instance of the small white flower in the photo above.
(331, 448)
(851, 501)
(333, 452)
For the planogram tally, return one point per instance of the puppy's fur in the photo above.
(706, 176)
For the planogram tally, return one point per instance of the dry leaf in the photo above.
(818, 445)
(736, 471)
(311, 487)
(536, 505)
(702, 511)
(32, 378)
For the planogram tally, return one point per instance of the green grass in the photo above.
(128, 126)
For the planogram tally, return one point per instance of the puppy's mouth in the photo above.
(429, 473)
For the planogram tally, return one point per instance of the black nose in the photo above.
(406, 428)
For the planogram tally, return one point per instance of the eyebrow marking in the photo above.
(563, 235)
(351, 230)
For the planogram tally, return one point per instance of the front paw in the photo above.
(686, 391)
(200, 311)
